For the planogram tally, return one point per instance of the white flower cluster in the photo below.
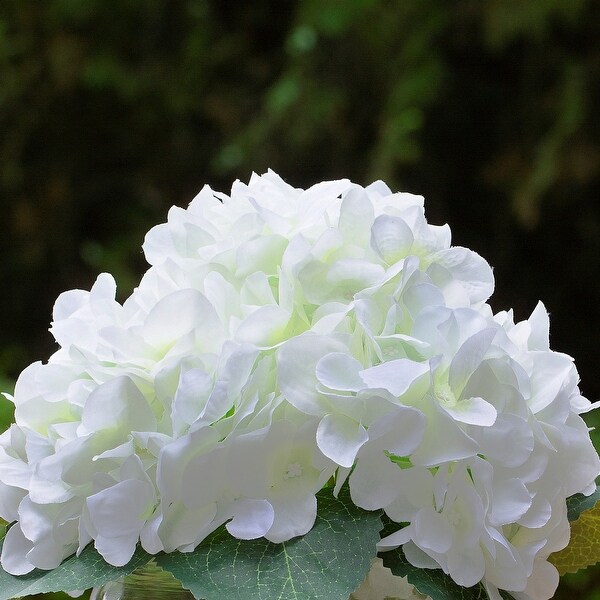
(282, 339)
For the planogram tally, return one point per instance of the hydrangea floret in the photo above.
(286, 340)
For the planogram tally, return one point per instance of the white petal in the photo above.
(398, 538)
(374, 482)
(468, 358)
(369, 315)
(469, 269)
(340, 438)
(432, 531)
(418, 557)
(10, 498)
(68, 303)
(117, 511)
(540, 328)
(222, 295)
(400, 431)
(116, 551)
(179, 313)
(543, 581)
(48, 554)
(117, 403)
(251, 520)
(354, 274)
(341, 476)
(378, 190)
(510, 501)
(238, 368)
(510, 568)
(217, 404)
(297, 360)
(356, 216)
(256, 290)
(422, 294)
(121, 451)
(149, 538)
(550, 371)
(190, 399)
(397, 376)
(492, 590)
(509, 431)
(340, 371)
(262, 253)
(293, 516)
(538, 514)
(473, 411)
(391, 238)
(265, 327)
(181, 526)
(14, 552)
(466, 566)
(440, 426)
(174, 458)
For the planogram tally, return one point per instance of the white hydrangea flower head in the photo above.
(283, 339)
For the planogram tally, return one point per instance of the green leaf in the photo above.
(89, 570)
(584, 545)
(579, 503)
(328, 563)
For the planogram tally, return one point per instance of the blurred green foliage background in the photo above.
(113, 110)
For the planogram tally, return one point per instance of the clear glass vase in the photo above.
(147, 583)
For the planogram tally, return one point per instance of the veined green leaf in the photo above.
(579, 503)
(584, 546)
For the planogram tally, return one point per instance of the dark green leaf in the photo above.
(579, 503)
(328, 563)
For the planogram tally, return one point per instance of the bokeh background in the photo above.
(113, 110)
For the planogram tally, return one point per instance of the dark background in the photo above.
(113, 110)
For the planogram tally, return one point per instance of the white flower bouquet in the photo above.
(301, 380)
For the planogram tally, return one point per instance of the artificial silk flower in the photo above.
(284, 340)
